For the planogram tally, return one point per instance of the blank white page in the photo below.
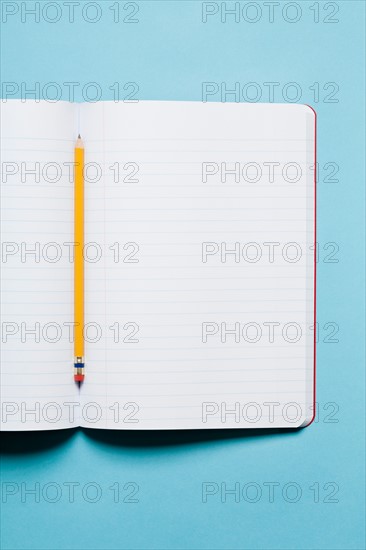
(37, 274)
(193, 336)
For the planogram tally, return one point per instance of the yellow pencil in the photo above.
(79, 261)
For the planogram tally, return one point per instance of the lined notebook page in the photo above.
(193, 336)
(37, 300)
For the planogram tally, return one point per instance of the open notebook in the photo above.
(200, 273)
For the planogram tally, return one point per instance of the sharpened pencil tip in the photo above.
(79, 143)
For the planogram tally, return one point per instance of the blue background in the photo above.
(169, 53)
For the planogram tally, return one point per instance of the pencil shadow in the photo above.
(26, 443)
(145, 439)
